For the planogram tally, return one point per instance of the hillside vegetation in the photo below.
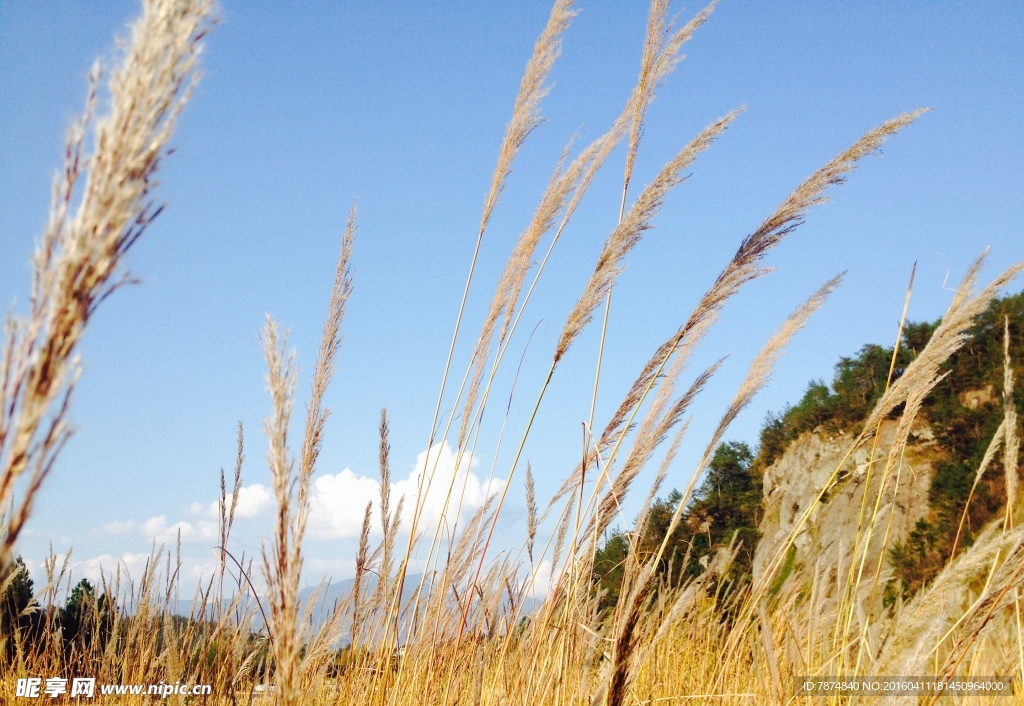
(963, 413)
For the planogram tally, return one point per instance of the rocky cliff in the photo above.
(823, 546)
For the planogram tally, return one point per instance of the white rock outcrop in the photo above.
(824, 542)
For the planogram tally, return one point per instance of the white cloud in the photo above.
(51, 536)
(254, 501)
(203, 569)
(540, 582)
(200, 531)
(117, 528)
(315, 567)
(158, 529)
(337, 502)
(132, 567)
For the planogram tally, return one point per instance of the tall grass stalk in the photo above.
(102, 203)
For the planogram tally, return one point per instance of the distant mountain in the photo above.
(327, 596)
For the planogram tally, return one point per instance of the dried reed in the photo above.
(79, 260)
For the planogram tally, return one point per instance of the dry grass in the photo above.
(79, 260)
(473, 633)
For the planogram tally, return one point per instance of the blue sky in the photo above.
(401, 107)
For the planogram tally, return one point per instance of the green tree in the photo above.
(85, 617)
(77, 611)
(963, 430)
(727, 504)
(610, 567)
(17, 593)
(15, 599)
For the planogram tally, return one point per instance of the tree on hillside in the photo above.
(610, 568)
(18, 620)
(727, 504)
(86, 617)
(74, 617)
(963, 412)
(17, 593)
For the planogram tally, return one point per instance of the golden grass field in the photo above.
(472, 635)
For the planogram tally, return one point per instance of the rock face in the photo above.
(824, 543)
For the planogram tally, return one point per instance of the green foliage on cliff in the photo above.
(858, 383)
(963, 412)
